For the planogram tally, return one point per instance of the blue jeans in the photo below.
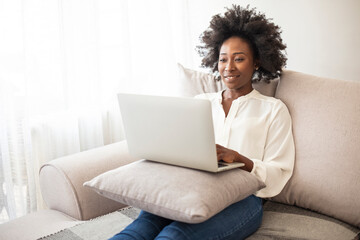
(237, 221)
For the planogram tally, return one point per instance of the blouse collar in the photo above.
(251, 94)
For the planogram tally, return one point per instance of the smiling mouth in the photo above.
(232, 77)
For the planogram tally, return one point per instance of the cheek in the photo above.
(221, 68)
(246, 68)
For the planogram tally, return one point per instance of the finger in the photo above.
(219, 146)
(227, 159)
(219, 150)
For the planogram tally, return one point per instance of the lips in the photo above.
(231, 77)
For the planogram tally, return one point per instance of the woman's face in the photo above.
(236, 64)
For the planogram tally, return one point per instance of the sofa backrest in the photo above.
(326, 126)
(267, 89)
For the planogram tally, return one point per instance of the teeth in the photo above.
(232, 77)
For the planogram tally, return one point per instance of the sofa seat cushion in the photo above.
(36, 225)
(282, 221)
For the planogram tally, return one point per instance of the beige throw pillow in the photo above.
(177, 193)
(194, 82)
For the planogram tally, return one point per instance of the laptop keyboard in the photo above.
(220, 165)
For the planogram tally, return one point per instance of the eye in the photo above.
(239, 59)
(222, 60)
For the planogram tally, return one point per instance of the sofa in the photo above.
(320, 201)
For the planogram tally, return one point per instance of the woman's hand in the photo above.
(229, 156)
(225, 154)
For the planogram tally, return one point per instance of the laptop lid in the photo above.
(173, 130)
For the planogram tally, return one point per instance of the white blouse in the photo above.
(259, 128)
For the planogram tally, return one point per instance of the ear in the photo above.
(256, 64)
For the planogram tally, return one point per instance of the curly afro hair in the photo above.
(262, 35)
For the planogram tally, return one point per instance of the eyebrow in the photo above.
(235, 53)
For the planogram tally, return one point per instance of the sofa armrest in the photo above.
(61, 181)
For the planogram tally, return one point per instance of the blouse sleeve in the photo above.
(276, 167)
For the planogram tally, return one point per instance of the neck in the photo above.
(236, 93)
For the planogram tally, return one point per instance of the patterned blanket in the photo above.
(100, 228)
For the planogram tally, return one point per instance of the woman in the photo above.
(242, 46)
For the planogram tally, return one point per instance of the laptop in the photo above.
(172, 130)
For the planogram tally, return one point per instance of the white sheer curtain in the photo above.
(61, 64)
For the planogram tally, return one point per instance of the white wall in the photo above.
(322, 36)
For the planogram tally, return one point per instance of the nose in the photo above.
(229, 66)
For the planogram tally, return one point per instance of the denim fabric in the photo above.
(237, 221)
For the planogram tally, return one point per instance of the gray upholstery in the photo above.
(282, 221)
